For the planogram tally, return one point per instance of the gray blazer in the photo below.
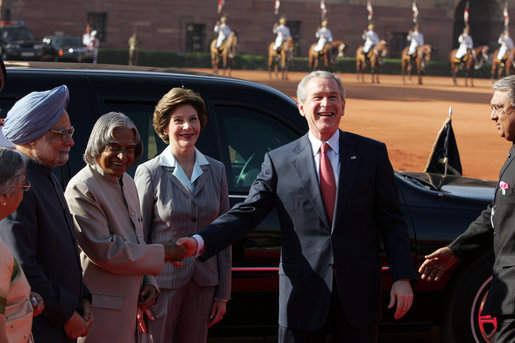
(170, 211)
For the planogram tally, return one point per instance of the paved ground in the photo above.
(407, 117)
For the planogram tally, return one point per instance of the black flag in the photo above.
(445, 157)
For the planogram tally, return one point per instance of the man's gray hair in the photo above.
(506, 84)
(11, 170)
(301, 88)
(102, 135)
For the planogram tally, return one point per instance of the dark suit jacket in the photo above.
(480, 235)
(367, 209)
(41, 235)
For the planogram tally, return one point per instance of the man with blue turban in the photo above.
(40, 232)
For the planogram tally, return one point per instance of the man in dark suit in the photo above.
(336, 197)
(494, 229)
(40, 232)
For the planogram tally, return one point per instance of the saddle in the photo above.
(370, 52)
(464, 58)
(323, 51)
(222, 46)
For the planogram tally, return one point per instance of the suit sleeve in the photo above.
(390, 220)
(245, 216)
(224, 257)
(478, 236)
(107, 249)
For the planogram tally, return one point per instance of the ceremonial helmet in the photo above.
(324, 22)
(282, 21)
(370, 27)
(223, 18)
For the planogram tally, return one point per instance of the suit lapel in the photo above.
(304, 165)
(349, 162)
(168, 171)
(201, 180)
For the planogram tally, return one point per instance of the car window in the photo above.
(246, 135)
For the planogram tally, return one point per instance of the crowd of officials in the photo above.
(109, 258)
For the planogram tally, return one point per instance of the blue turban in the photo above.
(34, 114)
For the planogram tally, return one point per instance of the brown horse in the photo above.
(422, 59)
(282, 56)
(327, 56)
(375, 61)
(227, 52)
(500, 66)
(477, 57)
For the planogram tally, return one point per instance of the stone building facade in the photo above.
(187, 25)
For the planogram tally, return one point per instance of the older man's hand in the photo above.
(437, 263)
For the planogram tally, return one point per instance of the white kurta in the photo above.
(416, 39)
(223, 31)
(371, 38)
(283, 33)
(465, 43)
(324, 36)
(506, 44)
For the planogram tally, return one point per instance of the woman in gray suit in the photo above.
(118, 266)
(181, 191)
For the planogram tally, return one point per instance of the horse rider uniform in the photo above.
(283, 33)
(371, 40)
(466, 45)
(506, 46)
(223, 30)
(416, 39)
(324, 36)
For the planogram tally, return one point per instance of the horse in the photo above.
(227, 52)
(477, 57)
(328, 55)
(376, 60)
(501, 66)
(423, 57)
(282, 56)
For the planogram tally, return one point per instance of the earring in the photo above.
(165, 133)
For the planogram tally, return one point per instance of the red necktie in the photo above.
(327, 182)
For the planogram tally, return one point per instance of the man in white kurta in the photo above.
(416, 39)
(324, 36)
(223, 30)
(371, 39)
(506, 45)
(466, 43)
(283, 33)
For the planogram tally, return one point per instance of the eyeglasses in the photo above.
(25, 187)
(64, 133)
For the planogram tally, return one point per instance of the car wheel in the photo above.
(463, 320)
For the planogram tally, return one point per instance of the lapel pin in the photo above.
(353, 157)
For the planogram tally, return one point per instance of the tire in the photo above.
(462, 320)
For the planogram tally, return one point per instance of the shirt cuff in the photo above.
(200, 245)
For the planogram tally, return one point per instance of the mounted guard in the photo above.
(465, 49)
(325, 37)
(282, 33)
(416, 39)
(371, 40)
(224, 31)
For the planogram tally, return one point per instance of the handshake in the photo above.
(177, 251)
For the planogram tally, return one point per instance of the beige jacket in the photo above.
(114, 255)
